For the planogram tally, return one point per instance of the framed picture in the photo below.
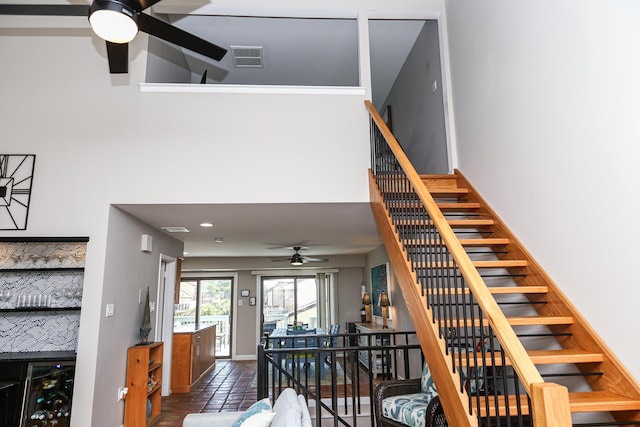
(244, 293)
(379, 283)
(252, 301)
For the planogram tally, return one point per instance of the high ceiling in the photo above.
(295, 51)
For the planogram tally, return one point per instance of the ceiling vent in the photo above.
(247, 56)
(176, 229)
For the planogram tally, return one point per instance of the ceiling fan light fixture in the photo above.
(296, 259)
(113, 21)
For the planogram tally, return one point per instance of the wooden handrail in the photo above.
(511, 345)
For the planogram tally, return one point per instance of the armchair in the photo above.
(413, 402)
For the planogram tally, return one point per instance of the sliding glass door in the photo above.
(207, 301)
(288, 301)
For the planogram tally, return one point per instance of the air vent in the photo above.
(176, 229)
(247, 56)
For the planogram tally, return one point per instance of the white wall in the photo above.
(546, 100)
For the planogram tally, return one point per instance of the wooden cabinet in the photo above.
(144, 380)
(376, 360)
(193, 353)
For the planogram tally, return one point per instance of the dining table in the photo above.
(297, 338)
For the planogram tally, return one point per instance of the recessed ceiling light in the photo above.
(176, 229)
(206, 224)
(185, 253)
(218, 239)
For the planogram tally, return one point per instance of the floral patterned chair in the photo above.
(412, 403)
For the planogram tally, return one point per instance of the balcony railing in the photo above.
(329, 370)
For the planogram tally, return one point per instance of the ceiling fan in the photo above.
(298, 259)
(117, 22)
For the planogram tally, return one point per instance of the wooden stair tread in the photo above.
(601, 401)
(540, 357)
(444, 206)
(590, 401)
(515, 321)
(453, 223)
(508, 263)
(462, 206)
(489, 241)
(447, 192)
(496, 290)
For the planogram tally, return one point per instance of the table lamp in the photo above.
(384, 303)
(366, 300)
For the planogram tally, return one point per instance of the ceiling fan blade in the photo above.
(175, 35)
(306, 258)
(118, 54)
(45, 9)
(141, 5)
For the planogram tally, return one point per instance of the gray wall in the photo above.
(417, 111)
(400, 318)
(127, 270)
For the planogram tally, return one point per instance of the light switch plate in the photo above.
(110, 310)
(152, 307)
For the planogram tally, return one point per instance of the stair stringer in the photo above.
(455, 403)
(616, 377)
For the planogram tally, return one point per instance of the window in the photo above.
(288, 301)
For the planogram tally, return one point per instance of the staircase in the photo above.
(504, 344)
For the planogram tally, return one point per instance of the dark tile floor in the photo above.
(227, 387)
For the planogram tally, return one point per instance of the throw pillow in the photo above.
(305, 416)
(427, 385)
(258, 415)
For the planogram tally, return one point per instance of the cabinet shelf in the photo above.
(379, 361)
(47, 269)
(32, 309)
(139, 371)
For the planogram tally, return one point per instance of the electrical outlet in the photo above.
(110, 310)
(152, 307)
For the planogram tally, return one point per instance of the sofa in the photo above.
(289, 410)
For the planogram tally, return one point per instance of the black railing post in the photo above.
(262, 374)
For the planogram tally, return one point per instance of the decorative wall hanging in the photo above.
(379, 283)
(16, 179)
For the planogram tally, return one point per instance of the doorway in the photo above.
(207, 301)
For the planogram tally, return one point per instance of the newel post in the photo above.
(550, 405)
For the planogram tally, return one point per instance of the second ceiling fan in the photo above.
(299, 259)
(118, 22)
